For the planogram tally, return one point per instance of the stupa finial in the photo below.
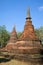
(28, 13)
(14, 27)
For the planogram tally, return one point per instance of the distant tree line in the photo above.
(39, 33)
(5, 35)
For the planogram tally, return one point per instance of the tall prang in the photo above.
(28, 32)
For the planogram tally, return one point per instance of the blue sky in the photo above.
(13, 12)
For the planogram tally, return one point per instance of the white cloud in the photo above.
(40, 8)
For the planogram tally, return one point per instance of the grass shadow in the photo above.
(4, 60)
(41, 53)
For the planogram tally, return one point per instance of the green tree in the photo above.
(19, 34)
(4, 36)
(39, 33)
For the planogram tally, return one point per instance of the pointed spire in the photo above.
(14, 28)
(13, 35)
(28, 14)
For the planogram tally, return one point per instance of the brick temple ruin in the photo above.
(28, 41)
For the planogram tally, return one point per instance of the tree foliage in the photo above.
(39, 33)
(19, 34)
(4, 36)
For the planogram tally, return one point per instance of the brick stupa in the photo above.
(13, 36)
(28, 41)
(12, 40)
(28, 32)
